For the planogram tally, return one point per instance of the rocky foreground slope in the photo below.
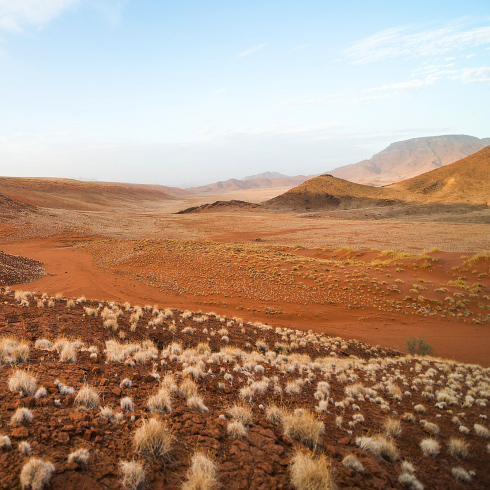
(103, 395)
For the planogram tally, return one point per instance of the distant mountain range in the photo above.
(406, 159)
(266, 180)
(466, 181)
(401, 160)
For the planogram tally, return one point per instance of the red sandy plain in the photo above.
(254, 282)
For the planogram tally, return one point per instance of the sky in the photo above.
(185, 92)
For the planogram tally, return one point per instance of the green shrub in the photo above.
(417, 346)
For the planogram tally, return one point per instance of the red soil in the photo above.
(72, 272)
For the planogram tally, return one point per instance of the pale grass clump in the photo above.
(21, 416)
(310, 473)
(430, 447)
(133, 475)
(87, 398)
(481, 431)
(202, 474)
(293, 387)
(458, 448)
(236, 429)
(36, 473)
(68, 353)
(92, 312)
(153, 439)
(43, 344)
(246, 393)
(350, 462)
(241, 414)
(13, 351)
(161, 402)
(125, 383)
(392, 428)
(5, 442)
(461, 474)
(80, 456)
(197, 403)
(22, 382)
(409, 417)
(381, 447)
(419, 408)
(195, 372)
(24, 448)
(409, 480)
(304, 427)
(432, 428)
(168, 382)
(70, 304)
(188, 388)
(274, 414)
(127, 404)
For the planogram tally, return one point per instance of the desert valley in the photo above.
(272, 332)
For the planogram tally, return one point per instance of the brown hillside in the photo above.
(405, 159)
(466, 181)
(328, 192)
(463, 182)
(74, 194)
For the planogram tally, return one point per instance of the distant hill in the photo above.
(266, 180)
(464, 182)
(409, 158)
(75, 194)
(267, 175)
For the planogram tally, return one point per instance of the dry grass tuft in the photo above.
(161, 402)
(5, 442)
(80, 456)
(241, 414)
(197, 403)
(274, 414)
(236, 429)
(304, 427)
(127, 404)
(153, 439)
(461, 474)
(430, 447)
(350, 462)
(23, 382)
(24, 448)
(392, 428)
(458, 448)
(132, 475)
(308, 473)
(36, 473)
(481, 431)
(21, 416)
(188, 388)
(202, 474)
(379, 446)
(87, 398)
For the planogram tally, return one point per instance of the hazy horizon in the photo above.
(188, 93)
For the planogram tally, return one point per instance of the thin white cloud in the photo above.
(252, 50)
(473, 75)
(412, 41)
(16, 15)
(219, 91)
